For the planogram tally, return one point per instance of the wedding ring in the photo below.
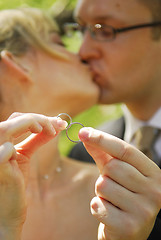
(68, 129)
(67, 115)
(69, 125)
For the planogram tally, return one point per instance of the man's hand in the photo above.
(128, 191)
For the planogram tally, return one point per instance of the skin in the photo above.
(39, 83)
(14, 165)
(126, 201)
(127, 68)
(109, 153)
(37, 66)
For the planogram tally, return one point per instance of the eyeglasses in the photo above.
(103, 32)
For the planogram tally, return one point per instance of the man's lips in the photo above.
(98, 80)
(94, 74)
(97, 76)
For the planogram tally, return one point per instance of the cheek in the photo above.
(128, 65)
(67, 79)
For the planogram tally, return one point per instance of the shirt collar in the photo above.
(132, 124)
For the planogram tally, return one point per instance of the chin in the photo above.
(107, 98)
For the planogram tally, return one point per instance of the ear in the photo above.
(15, 69)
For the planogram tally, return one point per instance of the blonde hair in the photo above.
(25, 27)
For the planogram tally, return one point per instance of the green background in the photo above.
(45, 4)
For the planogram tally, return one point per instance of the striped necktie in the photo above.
(145, 140)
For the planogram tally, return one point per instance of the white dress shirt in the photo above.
(133, 124)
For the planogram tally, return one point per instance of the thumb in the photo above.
(90, 138)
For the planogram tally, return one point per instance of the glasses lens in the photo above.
(102, 32)
(72, 37)
(72, 29)
(98, 31)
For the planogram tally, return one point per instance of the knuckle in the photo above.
(156, 194)
(126, 151)
(15, 114)
(101, 185)
(100, 137)
(154, 190)
(97, 136)
(31, 121)
(131, 227)
(111, 165)
(148, 213)
(30, 116)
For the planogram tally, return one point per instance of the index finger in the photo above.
(17, 126)
(102, 146)
(28, 122)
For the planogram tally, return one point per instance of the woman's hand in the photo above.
(128, 191)
(14, 165)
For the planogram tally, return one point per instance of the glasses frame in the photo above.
(114, 31)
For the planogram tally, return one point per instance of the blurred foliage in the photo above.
(45, 4)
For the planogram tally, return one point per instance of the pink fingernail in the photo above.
(84, 133)
(94, 206)
(61, 123)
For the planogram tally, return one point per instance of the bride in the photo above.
(44, 196)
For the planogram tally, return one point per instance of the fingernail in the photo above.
(94, 206)
(85, 133)
(62, 124)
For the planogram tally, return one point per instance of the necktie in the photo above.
(145, 139)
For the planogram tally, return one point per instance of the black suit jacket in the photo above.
(116, 128)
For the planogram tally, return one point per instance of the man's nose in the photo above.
(89, 48)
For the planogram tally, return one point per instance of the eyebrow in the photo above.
(105, 17)
(98, 18)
